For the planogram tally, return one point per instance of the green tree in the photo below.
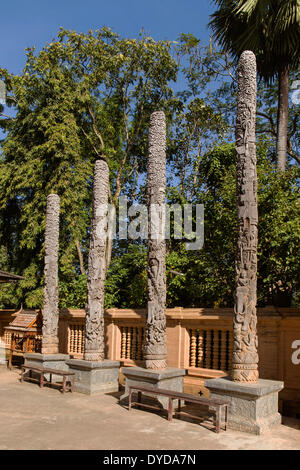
(271, 29)
(83, 97)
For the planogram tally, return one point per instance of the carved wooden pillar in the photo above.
(123, 342)
(155, 341)
(216, 349)
(208, 348)
(50, 310)
(193, 348)
(223, 350)
(94, 323)
(128, 343)
(245, 357)
(200, 348)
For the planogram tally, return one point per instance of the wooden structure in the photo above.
(25, 333)
(45, 370)
(215, 405)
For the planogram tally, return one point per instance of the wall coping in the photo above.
(179, 313)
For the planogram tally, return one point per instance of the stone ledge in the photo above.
(47, 357)
(261, 388)
(153, 374)
(90, 365)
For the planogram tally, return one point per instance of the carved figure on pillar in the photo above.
(155, 351)
(245, 357)
(94, 323)
(50, 309)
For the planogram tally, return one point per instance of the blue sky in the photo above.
(26, 23)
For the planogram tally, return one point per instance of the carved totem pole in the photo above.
(245, 357)
(155, 351)
(94, 323)
(50, 309)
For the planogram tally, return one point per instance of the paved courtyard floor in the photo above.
(34, 418)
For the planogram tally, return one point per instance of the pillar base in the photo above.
(253, 407)
(53, 361)
(170, 378)
(95, 377)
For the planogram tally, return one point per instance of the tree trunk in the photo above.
(245, 357)
(282, 117)
(94, 324)
(155, 352)
(80, 257)
(50, 309)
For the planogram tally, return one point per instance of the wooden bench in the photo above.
(46, 370)
(217, 405)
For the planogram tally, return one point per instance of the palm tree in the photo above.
(271, 29)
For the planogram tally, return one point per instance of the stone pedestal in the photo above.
(253, 407)
(169, 378)
(53, 361)
(95, 377)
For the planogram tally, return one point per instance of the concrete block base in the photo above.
(53, 361)
(95, 377)
(169, 378)
(253, 407)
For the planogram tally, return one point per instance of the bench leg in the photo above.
(218, 415)
(64, 384)
(42, 380)
(170, 409)
(179, 405)
(129, 400)
(226, 417)
(139, 397)
(72, 383)
(10, 361)
(22, 374)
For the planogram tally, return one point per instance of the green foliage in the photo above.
(127, 279)
(269, 28)
(83, 97)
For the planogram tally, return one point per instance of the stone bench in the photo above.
(216, 405)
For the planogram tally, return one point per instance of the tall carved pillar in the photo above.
(94, 324)
(50, 310)
(253, 401)
(245, 357)
(155, 352)
(156, 373)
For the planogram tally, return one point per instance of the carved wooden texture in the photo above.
(155, 352)
(94, 323)
(245, 357)
(50, 310)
